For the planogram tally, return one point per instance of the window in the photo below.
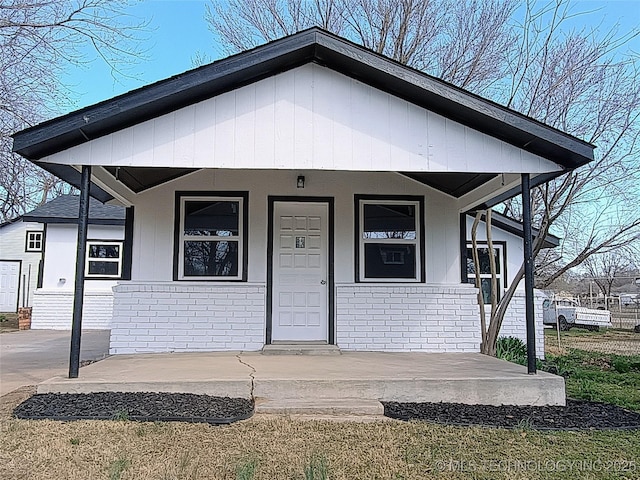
(104, 259)
(34, 241)
(485, 269)
(389, 239)
(210, 238)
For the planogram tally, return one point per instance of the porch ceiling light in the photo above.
(300, 181)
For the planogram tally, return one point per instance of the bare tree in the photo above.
(522, 55)
(604, 269)
(467, 43)
(39, 39)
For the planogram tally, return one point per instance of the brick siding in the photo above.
(187, 317)
(424, 318)
(53, 310)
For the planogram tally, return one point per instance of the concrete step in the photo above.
(320, 406)
(300, 349)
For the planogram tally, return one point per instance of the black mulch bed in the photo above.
(577, 415)
(163, 407)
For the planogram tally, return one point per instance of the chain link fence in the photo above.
(622, 339)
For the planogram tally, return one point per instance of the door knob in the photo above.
(323, 282)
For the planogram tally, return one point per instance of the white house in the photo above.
(21, 244)
(308, 190)
(53, 299)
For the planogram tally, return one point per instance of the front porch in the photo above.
(350, 383)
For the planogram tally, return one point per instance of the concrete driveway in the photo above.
(28, 357)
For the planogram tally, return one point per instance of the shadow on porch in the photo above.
(354, 382)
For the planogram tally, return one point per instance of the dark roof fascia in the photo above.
(92, 221)
(515, 191)
(164, 96)
(312, 45)
(73, 177)
(453, 102)
(11, 222)
(517, 228)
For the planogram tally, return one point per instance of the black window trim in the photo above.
(179, 195)
(484, 244)
(26, 241)
(107, 241)
(358, 198)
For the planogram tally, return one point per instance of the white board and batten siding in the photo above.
(307, 118)
(154, 219)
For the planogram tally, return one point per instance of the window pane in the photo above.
(104, 251)
(389, 261)
(389, 221)
(483, 258)
(210, 259)
(103, 268)
(211, 218)
(485, 284)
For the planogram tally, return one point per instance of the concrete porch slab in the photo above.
(371, 376)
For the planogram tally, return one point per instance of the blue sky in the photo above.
(179, 31)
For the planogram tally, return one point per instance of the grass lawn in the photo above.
(620, 342)
(595, 375)
(282, 448)
(287, 448)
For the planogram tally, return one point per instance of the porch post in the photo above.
(78, 294)
(528, 274)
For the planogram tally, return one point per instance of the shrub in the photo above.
(512, 349)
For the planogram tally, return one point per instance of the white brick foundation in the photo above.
(187, 317)
(402, 318)
(514, 320)
(184, 317)
(53, 309)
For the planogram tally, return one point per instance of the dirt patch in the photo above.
(8, 322)
(12, 399)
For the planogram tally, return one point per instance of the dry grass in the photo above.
(618, 342)
(281, 448)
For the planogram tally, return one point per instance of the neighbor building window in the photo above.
(485, 269)
(104, 259)
(34, 241)
(211, 243)
(389, 239)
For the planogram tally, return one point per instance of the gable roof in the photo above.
(515, 227)
(64, 209)
(309, 46)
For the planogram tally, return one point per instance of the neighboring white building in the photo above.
(53, 299)
(21, 244)
(309, 190)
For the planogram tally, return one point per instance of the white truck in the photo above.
(567, 314)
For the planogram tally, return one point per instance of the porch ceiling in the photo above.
(139, 179)
(454, 184)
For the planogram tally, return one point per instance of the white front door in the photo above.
(9, 285)
(300, 268)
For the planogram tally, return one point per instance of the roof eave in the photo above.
(313, 45)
